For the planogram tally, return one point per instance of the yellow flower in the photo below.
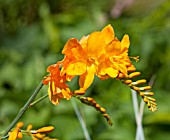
(99, 53)
(58, 89)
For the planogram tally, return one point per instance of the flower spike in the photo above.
(99, 54)
(142, 91)
(91, 102)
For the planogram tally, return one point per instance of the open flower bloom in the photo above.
(99, 53)
(57, 87)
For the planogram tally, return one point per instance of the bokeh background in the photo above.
(32, 35)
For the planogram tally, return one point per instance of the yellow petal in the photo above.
(54, 98)
(86, 79)
(76, 68)
(125, 43)
(108, 34)
(114, 48)
(112, 72)
(66, 93)
(95, 45)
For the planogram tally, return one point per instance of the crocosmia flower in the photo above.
(99, 54)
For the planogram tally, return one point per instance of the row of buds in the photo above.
(143, 91)
(91, 102)
(17, 132)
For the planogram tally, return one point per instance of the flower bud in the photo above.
(134, 74)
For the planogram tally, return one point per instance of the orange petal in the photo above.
(20, 124)
(86, 79)
(114, 48)
(95, 45)
(71, 43)
(54, 98)
(112, 72)
(66, 93)
(13, 135)
(125, 43)
(76, 68)
(108, 34)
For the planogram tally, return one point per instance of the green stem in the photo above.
(37, 101)
(24, 108)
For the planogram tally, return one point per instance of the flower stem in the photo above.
(24, 108)
(82, 123)
(38, 100)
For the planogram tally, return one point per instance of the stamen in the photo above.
(136, 58)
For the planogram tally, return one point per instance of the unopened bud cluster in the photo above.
(143, 91)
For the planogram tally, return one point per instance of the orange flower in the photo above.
(57, 87)
(99, 54)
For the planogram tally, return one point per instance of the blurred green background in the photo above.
(32, 35)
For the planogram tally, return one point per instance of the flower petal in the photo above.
(73, 48)
(114, 48)
(108, 34)
(112, 72)
(125, 43)
(86, 79)
(76, 68)
(95, 45)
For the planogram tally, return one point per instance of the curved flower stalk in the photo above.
(39, 134)
(99, 54)
(91, 102)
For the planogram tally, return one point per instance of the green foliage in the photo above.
(32, 35)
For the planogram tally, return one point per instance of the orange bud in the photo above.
(45, 129)
(120, 76)
(146, 93)
(153, 103)
(20, 135)
(145, 88)
(91, 100)
(134, 74)
(40, 136)
(131, 69)
(97, 106)
(13, 135)
(151, 99)
(127, 81)
(138, 82)
(135, 88)
(148, 104)
(29, 127)
(103, 110)
(20, 124)
(145, 100)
